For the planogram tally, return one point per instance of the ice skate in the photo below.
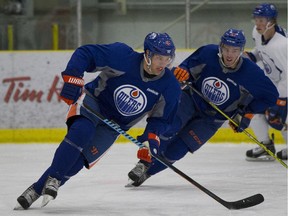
(137, 175)
(25, 200)
(259, 154)
(282, 154)
(50, 190)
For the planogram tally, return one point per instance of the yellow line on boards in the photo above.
(55, 135)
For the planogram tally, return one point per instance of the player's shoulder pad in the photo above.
(281, 30)
(119, 48)
(171, 80)
(251, 67)
(120, 45)
(209, 48)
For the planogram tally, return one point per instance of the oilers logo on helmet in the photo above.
(215, 90)
(159, 43)
(129, 100)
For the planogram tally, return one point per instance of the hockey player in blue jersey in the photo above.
(130, 86)
(271, 52)
(235, 84)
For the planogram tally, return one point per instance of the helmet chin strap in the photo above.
(267, 27)
(148, 62)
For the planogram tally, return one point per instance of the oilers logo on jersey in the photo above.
(267, 62)
(216, 90)
(129, 100)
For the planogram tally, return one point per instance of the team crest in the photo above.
(129, 100)
(215, 90)
(267, 63)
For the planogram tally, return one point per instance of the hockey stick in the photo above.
(235, 123)
(240, 204)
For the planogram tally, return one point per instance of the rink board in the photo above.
(31, 110)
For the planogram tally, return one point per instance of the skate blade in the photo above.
(266, 158)
(18, 207)
(46, 200)
(130, 183)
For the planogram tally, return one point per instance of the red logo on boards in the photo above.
(19, 89)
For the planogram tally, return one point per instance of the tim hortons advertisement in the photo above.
(30, 87)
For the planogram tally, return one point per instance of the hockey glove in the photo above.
(72, 89)
(242, 121)
(276, 115)
(181, 74)
(145, 153)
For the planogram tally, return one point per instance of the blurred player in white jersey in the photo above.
(271, 52)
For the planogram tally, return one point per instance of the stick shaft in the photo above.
(160, 159)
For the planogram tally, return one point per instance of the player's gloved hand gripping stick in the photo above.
(181, 74)
(276, 115)
(242, 116)
(240, 204)
(153, 146)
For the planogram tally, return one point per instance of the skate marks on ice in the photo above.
(100, 191)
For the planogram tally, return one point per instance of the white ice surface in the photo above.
(221, 168)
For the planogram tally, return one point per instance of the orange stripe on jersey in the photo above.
(249, 115)
(72, 110)
(281, 102)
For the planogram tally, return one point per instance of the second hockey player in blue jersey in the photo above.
(130, 86)
(237, 86)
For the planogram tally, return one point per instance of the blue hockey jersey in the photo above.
(124, 94)
(226, 88)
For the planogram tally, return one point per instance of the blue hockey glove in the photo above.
(242, 121)
(276, 115)
(72, 89)
(154, 143)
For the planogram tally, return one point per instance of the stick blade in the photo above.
(246, 203)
